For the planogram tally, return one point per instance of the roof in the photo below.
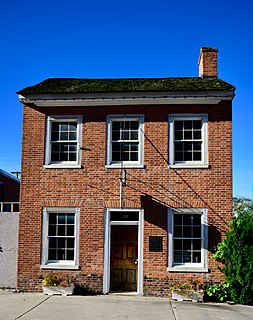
(83, 85)
(8, 175)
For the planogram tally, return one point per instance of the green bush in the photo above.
(219, 292)
(236, 253)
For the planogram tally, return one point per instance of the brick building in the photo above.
(126, 183)
(9, 187)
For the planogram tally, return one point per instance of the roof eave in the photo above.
(88, 99)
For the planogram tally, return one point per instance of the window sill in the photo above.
(187, 269)
(125, 166)
(62, 166)
(189, 166)
(59, 266)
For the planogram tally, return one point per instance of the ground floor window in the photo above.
(187, 239)
(60, 247)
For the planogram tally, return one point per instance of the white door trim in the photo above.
(107, 246)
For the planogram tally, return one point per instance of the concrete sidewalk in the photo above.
(36, 306)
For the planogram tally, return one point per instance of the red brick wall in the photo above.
(93, 187)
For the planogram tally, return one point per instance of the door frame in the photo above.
(107, 245)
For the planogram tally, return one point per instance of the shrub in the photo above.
(236, 253)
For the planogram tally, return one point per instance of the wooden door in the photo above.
(124, 262)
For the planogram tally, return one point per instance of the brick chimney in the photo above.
(208, 63)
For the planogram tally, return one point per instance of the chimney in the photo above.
(208, 63)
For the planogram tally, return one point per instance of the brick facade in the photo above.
(92, 188)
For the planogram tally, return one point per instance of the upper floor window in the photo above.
(125, 140)
(188, 140)
(63, 140)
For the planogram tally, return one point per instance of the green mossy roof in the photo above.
(75, 85)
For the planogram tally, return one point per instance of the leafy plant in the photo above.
(236, 253)
(57, 280)
(219, 292)
(187, 288)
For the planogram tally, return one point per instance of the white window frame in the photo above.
(125, 164)
(62, 164)
(60, 264)
(204, 151)
(189, 267)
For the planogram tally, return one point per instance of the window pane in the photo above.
(55, 136)
(187, 257)
(178, 244)
(196, 257)
(64, 126)
(71, 219)
(125, 135)
(196, 219)
(61, 254)
(72, 157)
(179, 146)
(186, 232)
(179, 135)
(134, 135)
(115, 135)
(70, 230)
(52, 230)
(72, 126)
(134, 156)
(178, 232)
(197, 232)
(61, 243)
(70, 243)
(52, 243)
(115, 125)
(52, 218)
(197, 146)
(197, 124)
(188, 156)
(52, 254)
(70, 255)
(196, 134)
(134, 125)
(178, 256)
(64, 136)
(178, 219)
(72, 136)
(134, 146)
(179, 156)
(188, 135)
(187, 124)
(187, 219)
(196, 244)
(186, 244)
(61, 230)
(178, 125)
(197, 156)
(61, 218)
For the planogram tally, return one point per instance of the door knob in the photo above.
(136, 261)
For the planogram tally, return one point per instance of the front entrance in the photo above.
(124, 258)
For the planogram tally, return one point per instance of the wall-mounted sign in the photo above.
(155, 244)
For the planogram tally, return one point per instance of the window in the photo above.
(188, 140)
(60, 237)
(63, 141)
(125, 140)
(187, 239)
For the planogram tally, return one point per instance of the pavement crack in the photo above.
(173, 312)
(34, 307)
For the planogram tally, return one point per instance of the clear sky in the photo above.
(133, 38)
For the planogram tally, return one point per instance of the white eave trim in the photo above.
(50, 101)
(127, 98)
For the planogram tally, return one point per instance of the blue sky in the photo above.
(134, 38)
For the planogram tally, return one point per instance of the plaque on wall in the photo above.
(155, 244)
